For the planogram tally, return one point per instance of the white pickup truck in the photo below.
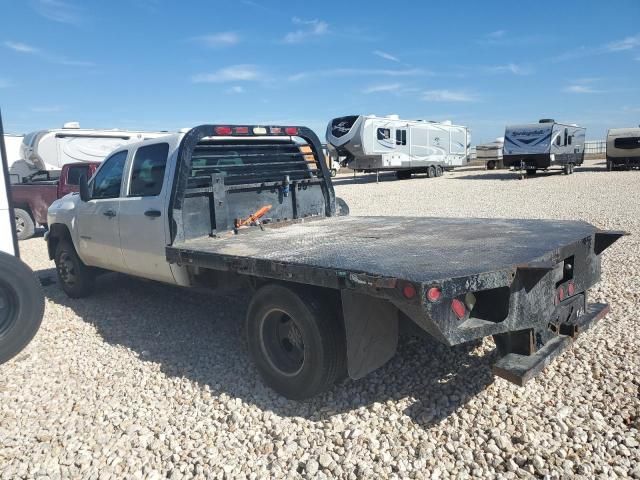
(254, 206)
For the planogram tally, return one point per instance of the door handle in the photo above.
(109, 213)
(153, 213)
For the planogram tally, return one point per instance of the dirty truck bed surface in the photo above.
(416, 249)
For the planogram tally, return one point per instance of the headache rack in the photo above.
(227, 173)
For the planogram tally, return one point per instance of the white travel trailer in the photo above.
(623, 148)
(372, 143)
(13, 144)
(538, 146)
(51, 149)
(491, 153)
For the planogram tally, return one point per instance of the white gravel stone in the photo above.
(143, 380)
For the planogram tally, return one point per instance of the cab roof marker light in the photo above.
(291, 130)
(259, 131)
(275, 131)
(434, 294)
(222, 130)
(241, 130)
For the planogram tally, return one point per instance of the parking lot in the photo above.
(146, 380)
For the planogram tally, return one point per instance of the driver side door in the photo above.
(98, 230)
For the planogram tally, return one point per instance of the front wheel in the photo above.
(296, 340)
(25, 226)
(21, 306)
(76, 279)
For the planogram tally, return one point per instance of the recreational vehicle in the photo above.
(491, 153)
(372, 143)
(623, 148)
(538, 146)
(51, 149)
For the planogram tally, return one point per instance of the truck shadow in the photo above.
(199, 336)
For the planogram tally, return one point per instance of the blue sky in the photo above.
(151, 64)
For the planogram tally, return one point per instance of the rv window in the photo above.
(570, 137)
(106, 182)
(558, 140)
(566, 135)
(384, 134)
(147, 174)
(401, 137)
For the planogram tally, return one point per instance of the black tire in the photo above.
(21, 306)
(25, 226)
(431, 172)
(609, 165)
(491, 165)
(403, 174)
(439, 171)
(532, 171)
(333, 172)
(296, 340)
(76, 279)
(572, 167)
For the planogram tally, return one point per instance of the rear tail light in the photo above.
(434, 294)
(560, 294)
(409, 291)
(222, 130)
(571, 289)
(242, 130)
(458, 308)
(291, 130)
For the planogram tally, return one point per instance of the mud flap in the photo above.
(371, 326)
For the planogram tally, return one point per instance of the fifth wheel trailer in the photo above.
(539, 146)
(49, 150)
(623, 148)
(372, 143)
(21, 298)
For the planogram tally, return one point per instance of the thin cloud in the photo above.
(580, 89)
(58, 11)
(49, 57)
(236, 89)
(447, 96)
(391, 87)
(221, 39)
(627, 43)
(20, 47)
(5, 83)
(511, 68)
(354, 72)
(233, 73)
(47, 109)
(309, 29)
(386, 56)
(496, 34)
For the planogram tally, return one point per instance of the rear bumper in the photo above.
(519, 369)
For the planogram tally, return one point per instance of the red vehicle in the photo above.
(32, 198)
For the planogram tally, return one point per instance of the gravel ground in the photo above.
(143, 380)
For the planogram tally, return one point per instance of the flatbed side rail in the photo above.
(196, 134)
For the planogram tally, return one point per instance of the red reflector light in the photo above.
(242, 130)
(275, 131)
(458, 308)
(571, 289)
(222, 130)
(409, 291)
(560, 293)
(434, 294)
(291, 130)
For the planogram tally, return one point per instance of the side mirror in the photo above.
(84, 188)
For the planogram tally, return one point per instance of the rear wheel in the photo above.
(431, 172)
(439, 171)
(21, 306)
(25, 226)
(491, 165)
(76, 279)
(296, 340)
